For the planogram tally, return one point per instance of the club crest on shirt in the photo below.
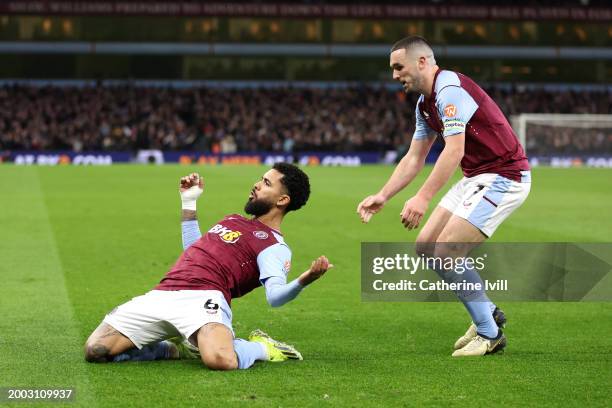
(450, 111)
(260, 234)
(227, 235)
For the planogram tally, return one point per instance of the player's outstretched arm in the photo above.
(406, 170)
(279, 292)
(190, 188)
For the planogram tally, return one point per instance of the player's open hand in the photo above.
(370, 206)
(317, 269)
(413, 212)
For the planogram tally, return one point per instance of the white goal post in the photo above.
(560, 120)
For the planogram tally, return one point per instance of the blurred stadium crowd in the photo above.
(223, 120)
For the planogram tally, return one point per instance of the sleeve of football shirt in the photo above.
(455, 107)
(274, 263)
(421, 128)
(190, 231)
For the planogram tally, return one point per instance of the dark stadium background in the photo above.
(300, 79)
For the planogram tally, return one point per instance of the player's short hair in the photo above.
(414, 42)
(297, 184)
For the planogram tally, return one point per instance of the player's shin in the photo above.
(158, 351)
(248, 352)
(475, 301)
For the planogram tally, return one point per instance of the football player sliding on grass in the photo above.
(192, 302)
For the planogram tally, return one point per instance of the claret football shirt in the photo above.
(458, 105)
(235, 256)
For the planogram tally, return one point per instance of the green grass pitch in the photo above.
(77, 241)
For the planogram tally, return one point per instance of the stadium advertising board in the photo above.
(571, 161)
(157, 157)
(65, 158)
(55, 158)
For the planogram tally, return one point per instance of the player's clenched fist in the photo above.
(190, 187)
(317, 269)
(194, 179)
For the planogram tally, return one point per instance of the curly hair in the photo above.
(296, 183)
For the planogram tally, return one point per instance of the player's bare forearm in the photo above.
(445, 166)
(415, 208)
(306, 278)
(317, 269)
(188, 215)
(408, 168)
(404, 173)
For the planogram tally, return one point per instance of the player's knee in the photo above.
(96, 352)
(449, 249)
(216, 360)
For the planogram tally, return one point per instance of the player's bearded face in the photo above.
(258, 206)
(265, 194)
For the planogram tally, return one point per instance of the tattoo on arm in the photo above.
(188, 215)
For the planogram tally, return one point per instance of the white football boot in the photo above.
(479, 346)
(500, 319)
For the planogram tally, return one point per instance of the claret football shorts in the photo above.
(486, 200)
(161, 314)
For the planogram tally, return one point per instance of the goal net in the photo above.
(566, 139)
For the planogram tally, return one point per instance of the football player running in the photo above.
(496, 178)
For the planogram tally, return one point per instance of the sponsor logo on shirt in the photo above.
(227, 235)
(450, 111)
(426, 115)
(260, 234)
(287, 266)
